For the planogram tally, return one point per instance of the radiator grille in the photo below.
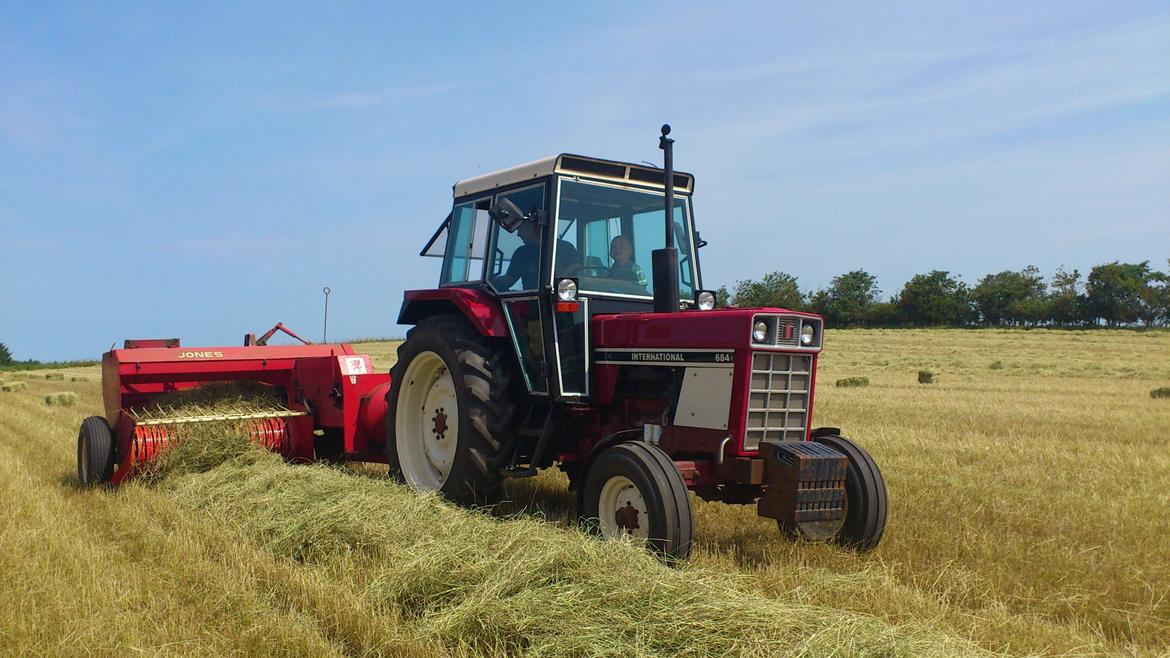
(778, 401)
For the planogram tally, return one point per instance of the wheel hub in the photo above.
(626, 517)
(440, 421)
(622, 509)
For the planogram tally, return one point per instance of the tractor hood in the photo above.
(728, 328)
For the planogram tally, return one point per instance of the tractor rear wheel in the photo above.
(865, 496)
(634, 490)
(451, 409)
(95, 452)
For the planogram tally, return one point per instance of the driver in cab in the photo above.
(525, 263)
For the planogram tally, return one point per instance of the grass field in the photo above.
(1029, 490)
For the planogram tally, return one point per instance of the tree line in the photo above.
(1113, 294)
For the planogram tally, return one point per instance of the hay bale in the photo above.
(63, 399)
(78, 379)
(996, 365)
(1161, 392)
(925, 377)
(853, 382)
(12, 387)
(55, 376)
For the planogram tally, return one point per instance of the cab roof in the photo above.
(576, 165)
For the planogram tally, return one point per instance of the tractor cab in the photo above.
(561, 240)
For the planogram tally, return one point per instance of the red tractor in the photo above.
(547, 343)
(570, 328)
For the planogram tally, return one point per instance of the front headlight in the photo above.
(760, 332)
(808, 334)
(705, 300)
(567, 290)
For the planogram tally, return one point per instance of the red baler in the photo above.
(333, 402)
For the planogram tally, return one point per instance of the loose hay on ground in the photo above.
(512, 586)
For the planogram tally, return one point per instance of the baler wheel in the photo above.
(95, 452)
(634, 490)
(451, 410)
(865, 496)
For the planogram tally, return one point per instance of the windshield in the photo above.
(612, 232)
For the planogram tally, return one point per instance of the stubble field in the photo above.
(1029, 487)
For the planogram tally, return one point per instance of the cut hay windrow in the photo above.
(518, 586)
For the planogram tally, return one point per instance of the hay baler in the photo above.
(569, 329)
(325, 402)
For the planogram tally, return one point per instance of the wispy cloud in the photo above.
(367, 99)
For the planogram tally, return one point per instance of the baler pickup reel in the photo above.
(156, 427)
(305, 402)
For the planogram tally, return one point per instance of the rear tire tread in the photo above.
(489, 407)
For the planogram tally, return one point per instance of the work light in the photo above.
(705, 300)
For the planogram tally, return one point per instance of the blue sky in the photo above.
(201, 170)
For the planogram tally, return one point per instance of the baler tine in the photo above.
(333, 403)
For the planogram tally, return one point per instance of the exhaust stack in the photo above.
(665, 261)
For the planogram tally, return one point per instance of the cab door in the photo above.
(514, 268)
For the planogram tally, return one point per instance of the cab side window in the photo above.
(466, 243)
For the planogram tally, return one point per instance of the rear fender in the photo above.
(479, 307)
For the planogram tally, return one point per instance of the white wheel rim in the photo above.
(622, 510)
(426, 426)
(83, 458)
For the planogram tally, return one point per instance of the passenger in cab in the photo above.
(621, 250)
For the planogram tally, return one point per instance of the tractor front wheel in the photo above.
(95, 452)
(634, 490)
(449, 426)
(865, 496)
